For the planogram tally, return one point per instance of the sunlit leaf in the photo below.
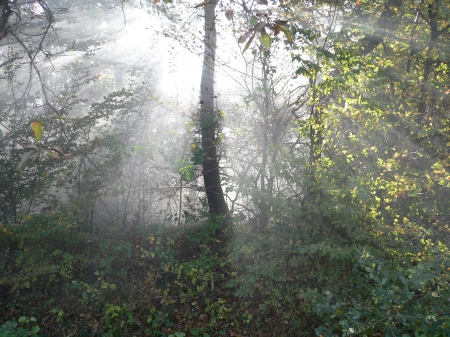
(286, 33)
(265, 39)
(24, 160)
(249, 42)
(30, 146)
(229, 14)
(38, 130)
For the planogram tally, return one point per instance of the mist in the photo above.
(260, 168)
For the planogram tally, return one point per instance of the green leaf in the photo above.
(38, 130)
(374, 277)
(404, 281)
(265, 39)
(326, 53)
(23, 332)
(23, 162)
(253, 21)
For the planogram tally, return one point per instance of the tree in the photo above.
(209, 118)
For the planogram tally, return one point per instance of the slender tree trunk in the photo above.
(209, 118)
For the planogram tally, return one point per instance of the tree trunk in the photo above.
(209, 118)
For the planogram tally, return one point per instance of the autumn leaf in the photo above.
(277, 30)
(281, 22)
(60, 150)
(30, 146)
(259, 27)
(51, 154)
(36, 156)
(229, 14)
(245, 36)
(286, 33)
(204, 3)
(249, 42)
(38, 130)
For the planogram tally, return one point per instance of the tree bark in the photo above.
(209, 118)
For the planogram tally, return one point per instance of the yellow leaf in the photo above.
(434, 294)
(38, 130)
(286, 33)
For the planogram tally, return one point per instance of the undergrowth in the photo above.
(178, 282)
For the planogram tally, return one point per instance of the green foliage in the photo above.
(32, 260)
(22, 328)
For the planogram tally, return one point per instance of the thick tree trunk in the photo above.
(209, 118)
